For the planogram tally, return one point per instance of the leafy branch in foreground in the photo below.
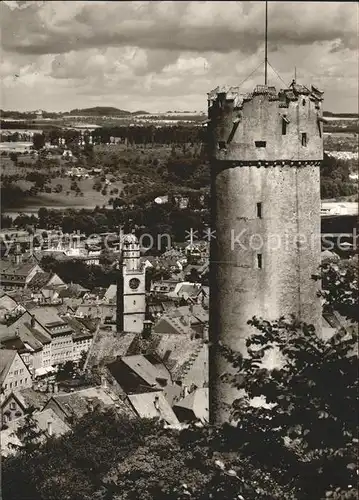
(307, 430)
(340, 288)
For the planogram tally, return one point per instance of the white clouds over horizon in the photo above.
(168, 55)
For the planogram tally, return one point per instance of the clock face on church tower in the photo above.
(134, 283)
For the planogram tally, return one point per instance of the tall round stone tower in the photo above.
(266, 149)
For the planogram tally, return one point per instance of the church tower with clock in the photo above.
(131, 295)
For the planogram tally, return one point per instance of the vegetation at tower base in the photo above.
(111, 457)
(308, 431)
(334, 178)
(340, 288)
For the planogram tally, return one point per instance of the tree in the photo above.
(38, 141)
(153, 274)
(107, 257)
(340, 289)
(81, 361)
(29, 435)
(13, 157)
(66, 371)
(193, 276)
(97, 185)
(108, 456)
(308, 433)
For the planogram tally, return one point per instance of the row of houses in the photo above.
(43, 338)
(167, 381)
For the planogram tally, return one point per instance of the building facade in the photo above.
(14, 372)
(266, 149)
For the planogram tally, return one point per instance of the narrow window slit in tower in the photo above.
(260, 144)
(259, 261)
(319, 128)
(259, 210)
(304, 138)
(285, 122)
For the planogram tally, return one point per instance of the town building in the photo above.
(136, 374)
(14, 374)
(67, 406)
(9, 308)
(19, 401)
(60, 331)
(46, 421)
(15, 274)
(45, 338)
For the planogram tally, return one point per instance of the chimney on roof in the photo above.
(103, 381)
(49, 428)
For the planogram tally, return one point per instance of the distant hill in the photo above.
(99, 111)
(140, 112)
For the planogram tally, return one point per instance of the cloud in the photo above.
(52, 27)
(163, 55)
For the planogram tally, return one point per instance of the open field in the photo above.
(67, 198)
(117, 160)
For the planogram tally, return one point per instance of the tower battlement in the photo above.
(266, 125)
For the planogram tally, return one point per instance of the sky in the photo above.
(161, 56)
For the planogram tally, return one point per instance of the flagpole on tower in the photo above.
(266, 47)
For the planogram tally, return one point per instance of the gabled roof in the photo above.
(170, 324)
(21, 270)
(48, 316)
(7, 303)
(196, 403)
(173, 393)
(143, 369)
(29, 342)
(27, 397)
(190, 290)
(196, 372)
(153, 405)
(80, 331)
(111, 292)
(108, 345)
(7, 357)
(77, 403)
(40, 280)
(196, 313)
(14, 343)
(35, 335)
(42, 419)
(177, 351)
